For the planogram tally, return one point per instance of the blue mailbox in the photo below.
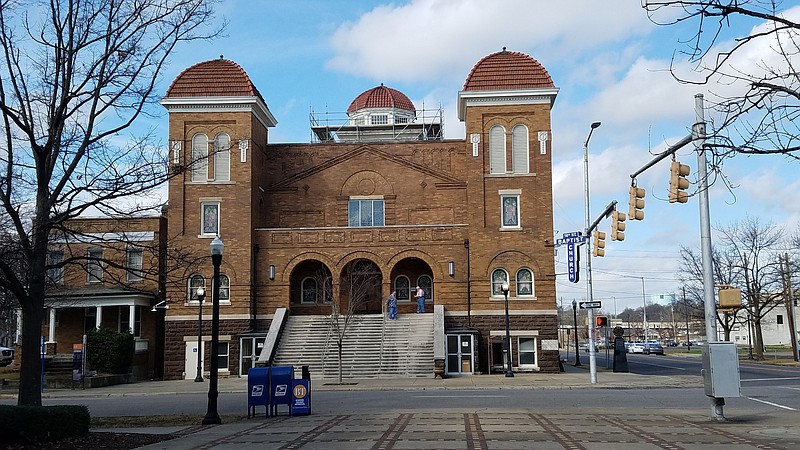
(257, 390)
(280, 388)
(301, 394)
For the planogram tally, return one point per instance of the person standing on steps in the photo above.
(420, 295)
(391, 302)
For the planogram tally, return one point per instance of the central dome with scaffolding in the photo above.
(378, 114)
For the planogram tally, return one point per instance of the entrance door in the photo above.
(190, 366)
(251, 348)
(460, 357)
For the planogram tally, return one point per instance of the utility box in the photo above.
(721, 370)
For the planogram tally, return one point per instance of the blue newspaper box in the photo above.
(301, 394)
(280, 388)
(257, 390)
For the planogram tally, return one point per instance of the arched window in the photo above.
(519, 149)
(402, 286)
(499, 276)
(309, 294)
(222, 157)
(224, 288)
(199, 162)
(497, 149)
(524, 283)
(426, 284)
(195, 281)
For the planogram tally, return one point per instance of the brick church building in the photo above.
(382, 195)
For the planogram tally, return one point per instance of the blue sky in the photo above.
(610, 63)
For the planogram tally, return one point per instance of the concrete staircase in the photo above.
(372, 348)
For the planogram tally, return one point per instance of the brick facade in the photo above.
(286, 207)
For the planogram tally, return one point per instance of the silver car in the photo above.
(6, 356)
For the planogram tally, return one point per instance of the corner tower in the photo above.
(218, 124)
(505, 104)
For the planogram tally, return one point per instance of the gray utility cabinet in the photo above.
(721, 369)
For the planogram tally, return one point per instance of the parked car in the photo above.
(653, 348)
(6, 356)
(672, 344)
(636, 347)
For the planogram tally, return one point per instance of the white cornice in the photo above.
(540, 96)
(221, 104)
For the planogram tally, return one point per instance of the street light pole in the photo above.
(212, 416)
(509, 372)
(644, 311)
(575, 325)
(200, 295)
(592, 356)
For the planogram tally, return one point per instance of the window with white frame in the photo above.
(199, 164)
(509, 210)
(519, 149)
(196, 281)
(222, 157)
(425, 282)
(497, 149)
(55, 274)
(210, 218)
(94, 265)
(524, 283)
(379, 119)
(309, 291)
(137, 321)
(365, 213)
(526, 349)
(402, 287)
(134, 264)
(499, 277)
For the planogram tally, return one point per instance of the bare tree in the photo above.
(755, 250)
(74, 77)
(727, 271)
(757, 99)
(359, 284)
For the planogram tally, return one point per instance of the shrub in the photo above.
(37, 424)
(109, 351)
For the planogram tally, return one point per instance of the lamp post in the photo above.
(212, 416)
(509, 372)
(575, 326)
(644, 313)
(200, 294)
(592, 357)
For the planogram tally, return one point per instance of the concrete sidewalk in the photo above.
(420, 428)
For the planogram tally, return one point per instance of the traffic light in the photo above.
(636, 203)
(678, 182)
(599, 243)
(617, 226)
(602, 321)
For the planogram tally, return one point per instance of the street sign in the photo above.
(573, 264)
(576, 237)
(590, 305)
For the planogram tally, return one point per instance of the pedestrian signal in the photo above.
(602, 321)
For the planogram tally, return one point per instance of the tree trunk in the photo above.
(339, 344)
(30, 374)
(759, 339)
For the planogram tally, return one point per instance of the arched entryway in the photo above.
(360, 288)
(311, 289)
(409, 273)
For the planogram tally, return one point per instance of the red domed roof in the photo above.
(507, 70)
(381, 97)
(215, 78)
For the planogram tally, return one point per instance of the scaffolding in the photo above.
(337, 127)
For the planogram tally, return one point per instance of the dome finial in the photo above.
(222, 57)
(504, 49)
